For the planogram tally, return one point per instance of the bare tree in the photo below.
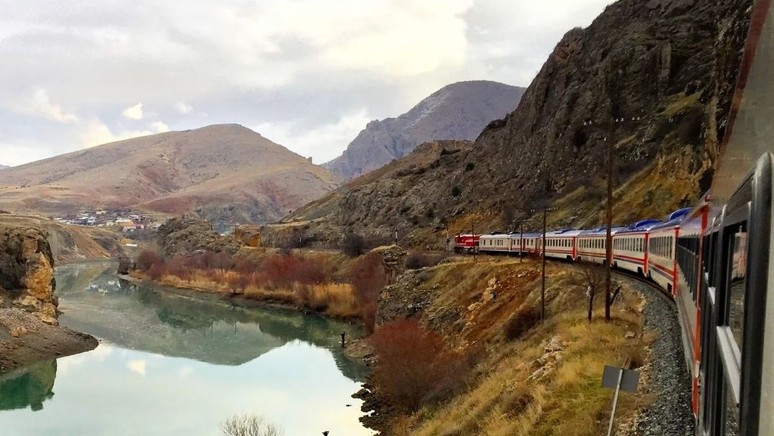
(249, 425)
(593, 278)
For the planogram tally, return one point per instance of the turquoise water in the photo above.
(170, 365)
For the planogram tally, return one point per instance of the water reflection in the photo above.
(140, 317)
(171, 365)
(28, 387)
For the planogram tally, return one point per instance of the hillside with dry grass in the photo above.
(521, 377)
(226, 173)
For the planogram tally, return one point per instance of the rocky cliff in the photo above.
(667, 68)
(185, 235)
(27, 273)
(29, 329)
(458, 111)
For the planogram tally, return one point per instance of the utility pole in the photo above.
(609, 209)
(609, 233)
(521, 242)
(543, 285)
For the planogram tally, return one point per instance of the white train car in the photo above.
(531, 243)
(630, 247)
(495, 243)
(591, 244)
(560, 244)
(662, 259)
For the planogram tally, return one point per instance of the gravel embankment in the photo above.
(667, 376)
(24, 340)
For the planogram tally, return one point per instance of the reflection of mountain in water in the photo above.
(140, 317)
(30, 386)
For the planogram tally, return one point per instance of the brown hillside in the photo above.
(226, 173)
(671, 63)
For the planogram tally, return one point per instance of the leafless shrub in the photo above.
(249, 425)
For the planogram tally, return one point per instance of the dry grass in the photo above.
(502, 399)
(332, 299)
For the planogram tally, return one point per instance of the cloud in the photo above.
(322, 143)
(137, 367)
(183, 107)
(302, 71)
(95, 132)
(133, 112)
(42, 105)
(159, 127)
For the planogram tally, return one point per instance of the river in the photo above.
(168, 364)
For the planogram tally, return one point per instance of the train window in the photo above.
(736, 288)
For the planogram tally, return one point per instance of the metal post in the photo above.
(543, 285)
(615, 402)
(609, 235)
(521, 242)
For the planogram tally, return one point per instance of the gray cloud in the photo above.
(306, 73)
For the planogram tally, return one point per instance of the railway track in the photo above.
(668, 378)
(642, 280)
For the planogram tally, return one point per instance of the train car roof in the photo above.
(678, 214)
(526, 235)
(601, 231)
(677, 218)
(495, 236)
(563, 233)
(642, 226)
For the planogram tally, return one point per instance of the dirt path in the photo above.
(25, 340)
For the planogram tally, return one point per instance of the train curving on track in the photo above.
(714, 260)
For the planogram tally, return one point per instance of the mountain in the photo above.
(2, 167)
(226, 173)
(457, 111)
(670, 65)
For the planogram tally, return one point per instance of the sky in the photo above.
(307, 74)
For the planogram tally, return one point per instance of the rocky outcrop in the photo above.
(27, 273)
(184, 235)
(458, 111)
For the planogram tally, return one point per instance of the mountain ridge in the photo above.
(458, 111)
(224, 172)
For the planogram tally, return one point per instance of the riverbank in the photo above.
(278, 301)
(25, 340)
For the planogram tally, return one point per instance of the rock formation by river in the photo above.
(29, 329)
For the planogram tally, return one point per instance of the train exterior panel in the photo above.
(560, 244)
(497, 243)
(661, 256)
(630, 247)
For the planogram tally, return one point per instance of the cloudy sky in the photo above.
(308, 74)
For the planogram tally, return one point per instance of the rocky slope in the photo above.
(28, 305)
(70, 243)
(672, 63)
(458, 111)
(226, 173)
(183, 236)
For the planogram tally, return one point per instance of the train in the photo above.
(714, 259)
(714, 263)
